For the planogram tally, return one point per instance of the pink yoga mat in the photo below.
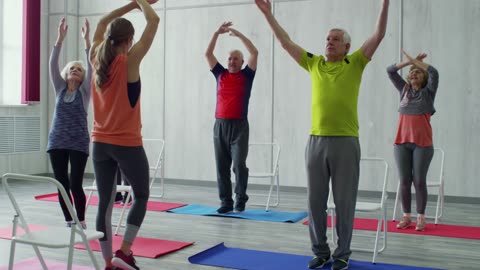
(6, 233)
(34, 264)
(444, 230)
(144, 247)
(151, 205)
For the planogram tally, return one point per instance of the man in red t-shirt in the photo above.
(231, 130)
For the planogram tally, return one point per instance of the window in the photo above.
(11, 51)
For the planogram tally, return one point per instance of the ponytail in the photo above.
(104, 57)
(118, 31)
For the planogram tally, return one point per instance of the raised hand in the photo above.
(264, 5)
(86, 30)
(421, 56)
(62, 31)
(234, 32)
(148, 1)
(407, 56)
(224, 28)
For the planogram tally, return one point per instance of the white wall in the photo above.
(178, 91)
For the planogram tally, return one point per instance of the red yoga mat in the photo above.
(443, 230)
(142, 247)
(151, 205)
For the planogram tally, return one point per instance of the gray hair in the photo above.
(346, 36)
(237, 51)
(67, 67)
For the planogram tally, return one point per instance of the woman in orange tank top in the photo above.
(116, 134)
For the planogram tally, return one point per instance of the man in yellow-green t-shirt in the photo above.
(333, 149)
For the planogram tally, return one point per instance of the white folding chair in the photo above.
(373, 167)
(270, 155)
(434, 180)
(154, 149)
(51, 237)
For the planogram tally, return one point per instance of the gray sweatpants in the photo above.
(230, 140)
(336, 158)
(413, 162)
(134, 166)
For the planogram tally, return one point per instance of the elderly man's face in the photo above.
(235, 62)
(334, 45)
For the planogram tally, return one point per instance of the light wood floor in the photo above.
(415, 250)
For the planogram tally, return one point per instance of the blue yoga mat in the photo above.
(253, 214)
(238, 258)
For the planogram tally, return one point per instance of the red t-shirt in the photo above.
(233, 92)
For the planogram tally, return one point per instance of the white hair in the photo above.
(67, 67)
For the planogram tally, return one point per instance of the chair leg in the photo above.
(12, 255)
(377, 235)
(395, 205)
(439, 208)
(442, 201)
(90, 253)
(122, 214)
(277, 203)
(70, 258)
(334, 233)
(162, 188)
(269, 193)
(72, 243)
(88, 200)
(40, 258)
(385, 230)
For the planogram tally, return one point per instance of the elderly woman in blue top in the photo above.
(69, 140)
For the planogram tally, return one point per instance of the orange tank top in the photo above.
(114, 119)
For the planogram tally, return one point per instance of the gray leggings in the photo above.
(134, 166)
(413, 162)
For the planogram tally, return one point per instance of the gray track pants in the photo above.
(230, 140)
(336, 158)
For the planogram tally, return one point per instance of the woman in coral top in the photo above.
(116, 134)
(413, 144)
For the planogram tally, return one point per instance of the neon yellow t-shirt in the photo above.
(335, 87)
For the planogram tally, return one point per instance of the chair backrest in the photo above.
(6, 178)
(264, 157)
(154, 149)
(376, 169)
(436, 169)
